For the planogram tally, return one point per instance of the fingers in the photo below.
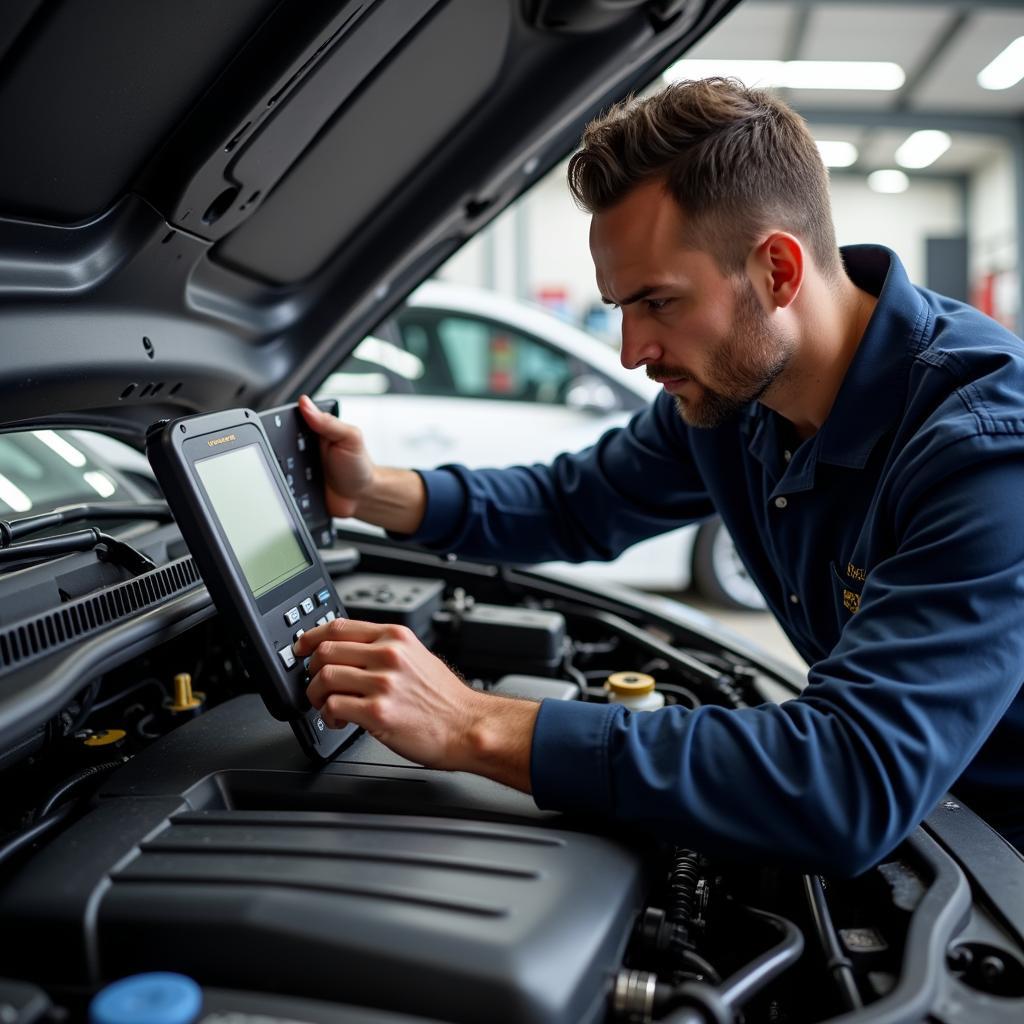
(338, 710)
(378, 656)
(329, 427)
(340, 629)
(341, 681)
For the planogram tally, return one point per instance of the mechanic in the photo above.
(861, 439)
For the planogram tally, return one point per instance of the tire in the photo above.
(719, 574)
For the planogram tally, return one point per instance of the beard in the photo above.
(740, 371)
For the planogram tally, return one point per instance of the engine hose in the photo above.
(837, 961)
(693, 963)
(739, 987)
(695, 1002)
(15, 844)
(683, 878)
(684, 697)
(73, 783)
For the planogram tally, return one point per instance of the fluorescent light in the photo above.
(875, 75)
(68, 452)
(837, 154)
(100, 483)
(922, 148)
(888, 181)
(13, 496)
(1006, 70)
(860, 75)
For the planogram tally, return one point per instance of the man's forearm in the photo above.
(499, 742)
(396, 500)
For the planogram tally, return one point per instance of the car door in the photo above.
(454, 386)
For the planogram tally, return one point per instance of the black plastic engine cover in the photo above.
(367, 882)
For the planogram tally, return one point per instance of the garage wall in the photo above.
(902, 222)
(557, 260)
(993, 252)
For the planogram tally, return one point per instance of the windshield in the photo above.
(44, 469)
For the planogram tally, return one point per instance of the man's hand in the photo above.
(348, 469)
(354, 486)
(382, 678)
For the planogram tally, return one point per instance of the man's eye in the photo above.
(656, 305)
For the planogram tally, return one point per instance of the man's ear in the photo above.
(776, 269)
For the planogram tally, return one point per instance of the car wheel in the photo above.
(718, 572)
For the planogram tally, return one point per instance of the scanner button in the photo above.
(330, 616)
(323, 597)
(307, 606)
(287, 657)
(298, 633)
(322, 621)
(292, 616)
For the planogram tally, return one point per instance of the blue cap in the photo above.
(159, 998)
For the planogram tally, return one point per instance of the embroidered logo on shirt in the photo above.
(854, 573)
(851, 601)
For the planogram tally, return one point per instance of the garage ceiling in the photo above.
(940, 44)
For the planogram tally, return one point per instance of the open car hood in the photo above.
(207, 204)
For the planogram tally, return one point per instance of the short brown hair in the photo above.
(736, 160)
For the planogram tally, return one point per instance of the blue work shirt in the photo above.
(890, 547)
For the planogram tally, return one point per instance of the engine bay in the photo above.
(156, 818)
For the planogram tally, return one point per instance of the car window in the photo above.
(376, 367)
(43, 469)
(470, 357)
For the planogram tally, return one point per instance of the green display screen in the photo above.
(252, 511)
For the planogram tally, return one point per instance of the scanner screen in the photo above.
(254, 516)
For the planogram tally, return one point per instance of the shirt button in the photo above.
(781, 503)
(787, 455)
(793, 599)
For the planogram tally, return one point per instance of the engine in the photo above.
(173, 825)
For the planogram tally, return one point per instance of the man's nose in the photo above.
(639, 344)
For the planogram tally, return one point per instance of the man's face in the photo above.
(701, 334)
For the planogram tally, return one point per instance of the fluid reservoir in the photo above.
(634, 690)
(158, 998)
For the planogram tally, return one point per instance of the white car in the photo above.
(525, 385)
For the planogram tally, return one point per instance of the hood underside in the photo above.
(205, 205)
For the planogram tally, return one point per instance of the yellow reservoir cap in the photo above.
(184, 698)
(630, 684)
(105, 738)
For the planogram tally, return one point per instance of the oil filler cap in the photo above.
(158, 998)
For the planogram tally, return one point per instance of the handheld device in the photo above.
(233, 505)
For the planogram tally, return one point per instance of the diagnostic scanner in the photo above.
(235, 510)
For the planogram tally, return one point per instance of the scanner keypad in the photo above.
(303, 613)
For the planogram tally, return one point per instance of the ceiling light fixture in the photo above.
(1006, 70)
(888, 182)
(837, 154)
(922, 148)
(860, 75)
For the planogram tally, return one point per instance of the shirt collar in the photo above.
(875, 386)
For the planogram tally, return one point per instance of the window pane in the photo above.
(487, 360)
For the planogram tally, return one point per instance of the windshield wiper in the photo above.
(108, 549)
(13, 529)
